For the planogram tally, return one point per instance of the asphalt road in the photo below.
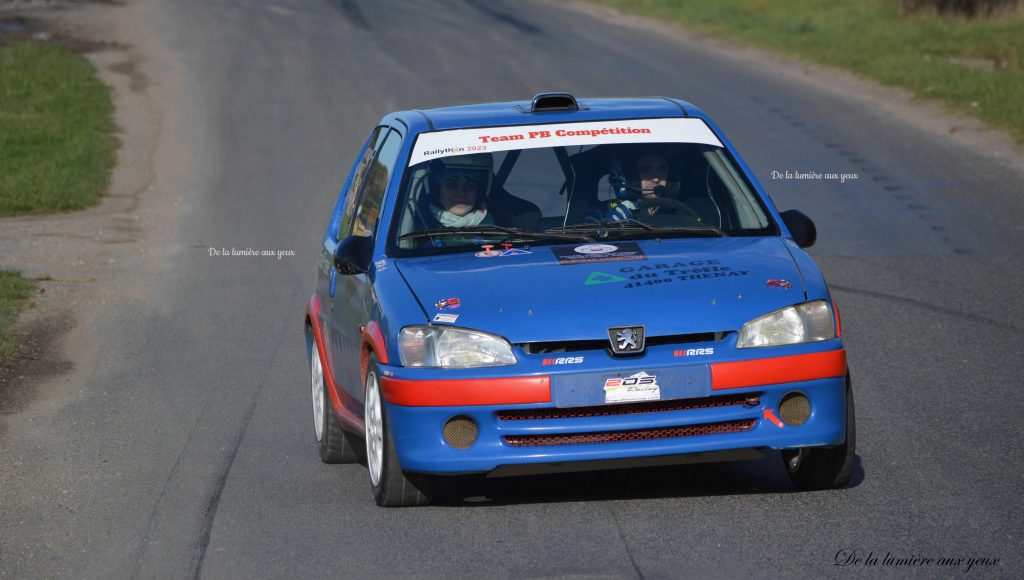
(188, 450)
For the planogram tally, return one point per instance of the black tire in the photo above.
(394, 487)
(814, 468)
(336, 446)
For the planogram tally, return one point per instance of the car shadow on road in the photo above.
(762, 476)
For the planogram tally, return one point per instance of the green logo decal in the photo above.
(602, 278)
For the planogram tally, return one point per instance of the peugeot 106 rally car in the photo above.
(565, 285)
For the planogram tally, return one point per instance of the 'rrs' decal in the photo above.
(563, 360)
(694, 351)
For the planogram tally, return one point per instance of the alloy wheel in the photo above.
(374, 429)
(317, 380)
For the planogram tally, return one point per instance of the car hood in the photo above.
(675, 286)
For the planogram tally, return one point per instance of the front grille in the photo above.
(639, 435)
(604, 344)
(749, 399)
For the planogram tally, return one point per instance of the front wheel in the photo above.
(392, 487)
(335, 445)
(814, 468)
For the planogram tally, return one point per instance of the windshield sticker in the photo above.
(602, 278)
(592, 253)
(638, 387)
(595, 249)
(448, 303)
(446, 318)
(515, 252)
(490, 252)
(562, 360)
(488, 140)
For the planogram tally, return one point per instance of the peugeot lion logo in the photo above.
(626, 339)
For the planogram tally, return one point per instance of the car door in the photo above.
(352, 302)
(327, 276)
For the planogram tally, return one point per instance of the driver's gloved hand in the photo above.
(620, 210)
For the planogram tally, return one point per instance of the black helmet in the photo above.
(478, 166)
(671, 186)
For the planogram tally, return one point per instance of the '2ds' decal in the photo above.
(638, 387)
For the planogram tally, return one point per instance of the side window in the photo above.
(365, 223)
(352, 195)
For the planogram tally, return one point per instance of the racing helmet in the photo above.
(478, 166)
(632, 172)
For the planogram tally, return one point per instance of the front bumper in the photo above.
(729, 419)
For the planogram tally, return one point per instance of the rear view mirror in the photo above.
(801, 226)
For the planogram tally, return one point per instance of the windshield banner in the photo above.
(468, 141)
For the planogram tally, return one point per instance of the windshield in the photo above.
(592, 181)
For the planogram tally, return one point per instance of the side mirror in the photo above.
(353, 254)
(801, 226)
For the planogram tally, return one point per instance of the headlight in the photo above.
(808, 322)
(435, 346)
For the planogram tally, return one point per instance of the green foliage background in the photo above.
(57, 142)
(974, 65)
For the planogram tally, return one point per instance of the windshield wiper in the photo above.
(492, 230)
(632, 226)
(710, 231)
(601, 226)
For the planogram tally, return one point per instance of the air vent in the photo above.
(460, 432)
(747, 400)
(554, 102)
(624, 436)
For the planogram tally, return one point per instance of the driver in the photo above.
(462, 184)
(652, 169)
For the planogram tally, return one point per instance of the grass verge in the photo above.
(57, 143)
(974, 65)
(14, 294)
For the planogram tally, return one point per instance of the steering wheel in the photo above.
(668, 206)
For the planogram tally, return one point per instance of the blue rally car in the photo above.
(568, 285)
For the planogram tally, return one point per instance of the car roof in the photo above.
(519, 113)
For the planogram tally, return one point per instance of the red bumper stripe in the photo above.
(783, 369)
(504, 391)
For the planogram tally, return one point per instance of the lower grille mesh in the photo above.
(629, 409)
(639, 435)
